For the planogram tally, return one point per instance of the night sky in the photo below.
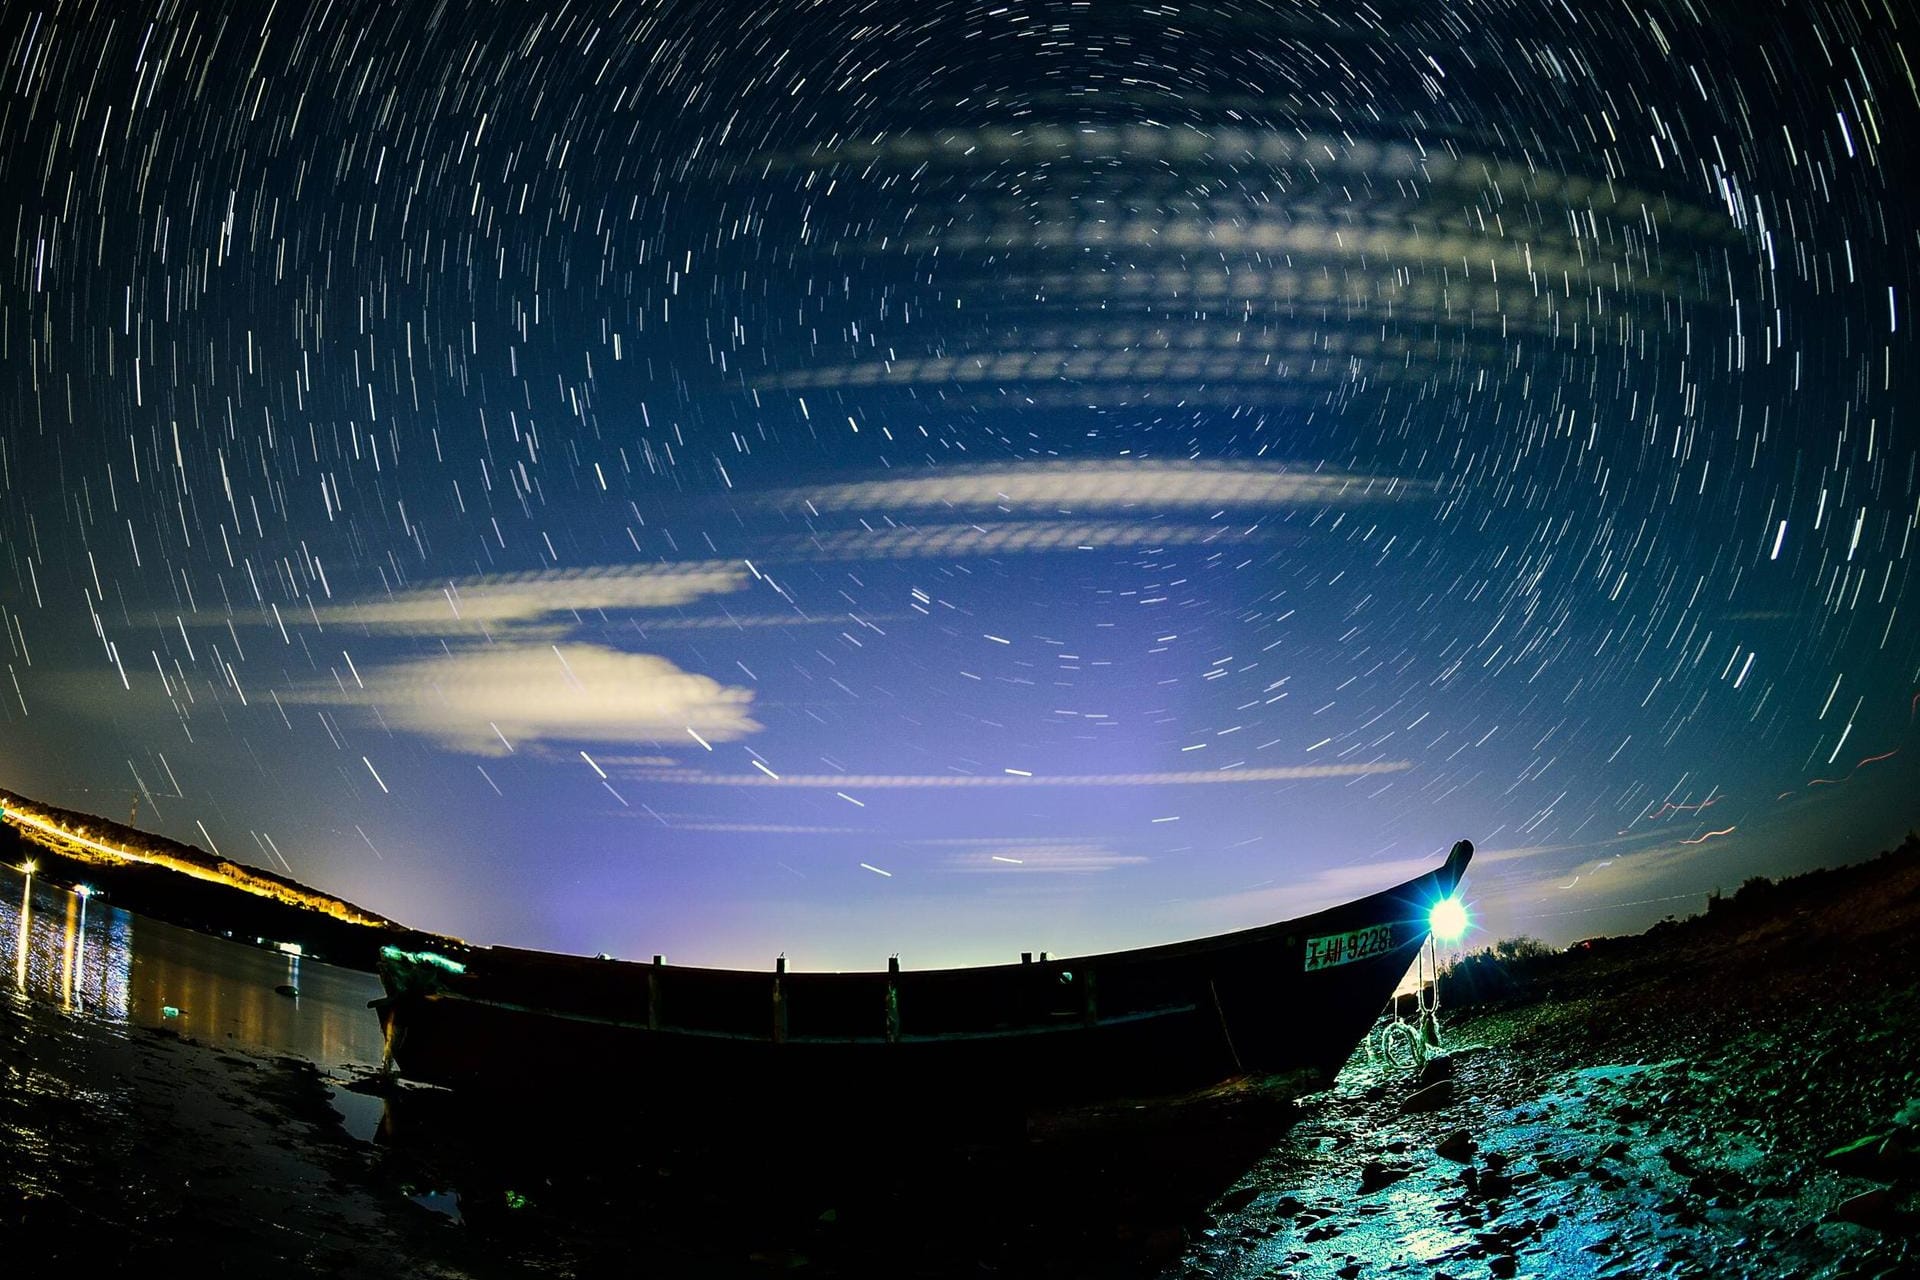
(952, 479)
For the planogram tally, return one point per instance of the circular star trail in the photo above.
(956, 479)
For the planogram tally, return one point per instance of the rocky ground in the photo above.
(1735, 1095)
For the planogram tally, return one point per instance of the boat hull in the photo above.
(1292, 997)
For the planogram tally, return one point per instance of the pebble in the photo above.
(1874, 1208)
(1374, 1175)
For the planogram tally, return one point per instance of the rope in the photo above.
(1222, 1015)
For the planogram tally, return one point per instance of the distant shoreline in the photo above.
(184, 885)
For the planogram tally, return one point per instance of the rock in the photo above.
(1876, 1209)
(1374, 1175)
(1431, 1098)
(1678, 1161)
(1503, 1265)
(1438, 1067)
(1495, 1186)
(1456, 1146)
(1861, 1157)
(1679, 1210)
(1615, 1150)
(1236, 1200)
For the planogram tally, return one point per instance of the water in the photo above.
(96, 961)
(544, 1181)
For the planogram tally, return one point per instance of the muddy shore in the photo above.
(135, 1150)
(1730, 1095)
(1737, 1094)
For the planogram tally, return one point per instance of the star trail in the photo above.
(954, 479)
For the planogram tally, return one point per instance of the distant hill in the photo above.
(184, 884)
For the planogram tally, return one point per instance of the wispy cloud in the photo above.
(876, 781)
(1324, 886)
(1058, 487)
(507, 599)
(493, 700)
(1080, 857)
(1333, 152)
(764, 828)
(1006, 538)
(1317, 888)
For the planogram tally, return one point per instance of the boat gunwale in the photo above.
(1251, 936)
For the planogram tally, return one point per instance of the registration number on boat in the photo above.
(1345, 948)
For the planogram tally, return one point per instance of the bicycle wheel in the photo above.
(1400, 1045)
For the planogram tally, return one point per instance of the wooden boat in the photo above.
(1284, 998)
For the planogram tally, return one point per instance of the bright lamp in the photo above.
(1448, 920)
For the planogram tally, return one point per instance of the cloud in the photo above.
(766, 828)
(502, 600)
(1326, 886)
(488, 701)
(1315, 239)
(1332, 153)
(877, 781)
(1054, 487)
(1006, 538)
(1122, 352)
(1311, 891)
(1056, 858)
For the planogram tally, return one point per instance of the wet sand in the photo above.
(1665, 1105)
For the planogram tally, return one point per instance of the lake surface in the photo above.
(98, 961)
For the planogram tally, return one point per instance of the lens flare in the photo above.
(1448, 920)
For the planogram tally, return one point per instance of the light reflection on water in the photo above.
(95, 960)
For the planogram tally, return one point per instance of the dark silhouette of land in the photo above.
(183, 884)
